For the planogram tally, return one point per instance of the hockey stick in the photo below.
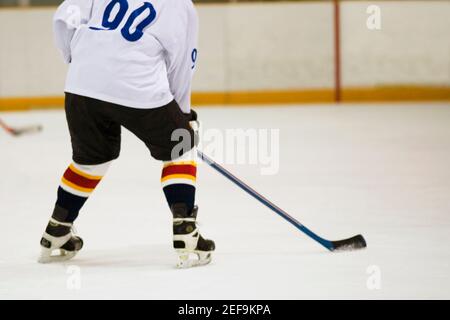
(20, 131)
(354, 243)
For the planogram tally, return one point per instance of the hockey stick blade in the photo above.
(25, 130)
(20, 130)
(354, 243)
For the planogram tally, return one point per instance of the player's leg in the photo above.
(179, 185)
(77, 184)
(95, 143)
(156, 128)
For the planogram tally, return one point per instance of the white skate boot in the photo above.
(59, 242)
(190, 246)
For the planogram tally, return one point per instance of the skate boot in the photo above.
(190, 246)
(59, 242)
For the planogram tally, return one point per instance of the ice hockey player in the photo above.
(130, 64)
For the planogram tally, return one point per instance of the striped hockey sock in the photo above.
(178, 181)
(77, 184)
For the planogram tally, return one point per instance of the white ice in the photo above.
(383, 171)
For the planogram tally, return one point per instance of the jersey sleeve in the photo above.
(180, 43)
(69, 16)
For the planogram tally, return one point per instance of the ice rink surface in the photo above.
(383, 171)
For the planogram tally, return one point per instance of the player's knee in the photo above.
(188, 157)
(94, 170)
(90, 157)
(184, 142)
(182, 146)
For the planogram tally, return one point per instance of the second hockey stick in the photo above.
(20, 131)
(353, 243)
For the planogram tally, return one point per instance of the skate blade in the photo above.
(55, 256)
(188, 260)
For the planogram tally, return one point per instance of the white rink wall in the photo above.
(259, 46)
(265, 46)
(412, 47)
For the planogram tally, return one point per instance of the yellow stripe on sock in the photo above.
(178, 176)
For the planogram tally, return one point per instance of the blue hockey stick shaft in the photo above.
(326, 243)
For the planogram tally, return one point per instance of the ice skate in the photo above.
(59, 243)
(192, 249)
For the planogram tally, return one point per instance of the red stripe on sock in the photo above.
(79, 180)
(180, 169)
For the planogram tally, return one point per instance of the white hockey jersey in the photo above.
(136, 53)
